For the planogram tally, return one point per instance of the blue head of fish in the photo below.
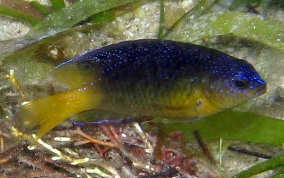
(234, 83)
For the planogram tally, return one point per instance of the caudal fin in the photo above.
(45, 113)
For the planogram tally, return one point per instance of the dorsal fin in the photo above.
(71, 76)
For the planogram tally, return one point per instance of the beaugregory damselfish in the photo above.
(148, 77)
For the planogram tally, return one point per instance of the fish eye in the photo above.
(240, 83)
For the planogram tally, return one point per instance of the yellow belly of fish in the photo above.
(193, 106)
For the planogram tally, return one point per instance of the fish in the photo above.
(146, 77)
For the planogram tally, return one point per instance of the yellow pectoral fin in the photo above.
(47, 112)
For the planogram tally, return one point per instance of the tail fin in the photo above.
(45, 113)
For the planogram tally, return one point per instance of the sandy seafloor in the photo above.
(144, 24)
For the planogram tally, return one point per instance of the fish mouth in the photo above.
(260, 90)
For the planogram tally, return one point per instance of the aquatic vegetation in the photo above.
(74, 14)
(265, 3)
(196, 12)
(241, 25)
(11, 12)
(240, 3)
(271, 164)
(221, 126)
(33, 63)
